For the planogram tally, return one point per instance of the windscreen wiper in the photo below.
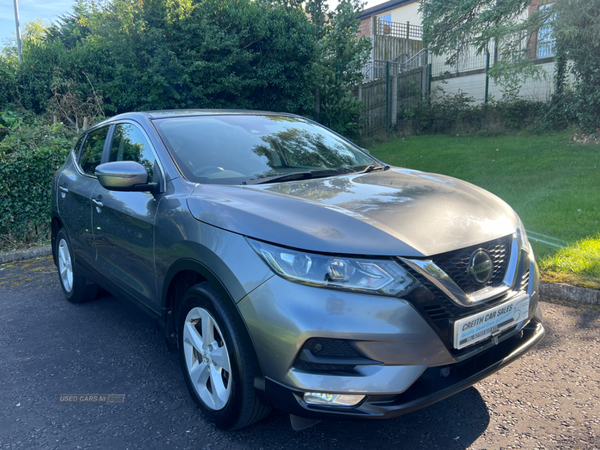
(372, 167)
(283, 177)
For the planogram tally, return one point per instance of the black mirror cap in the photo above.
(124, 176)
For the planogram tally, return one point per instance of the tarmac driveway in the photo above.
(548, 399)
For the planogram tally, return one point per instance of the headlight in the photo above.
(522, 237)
(372, 276)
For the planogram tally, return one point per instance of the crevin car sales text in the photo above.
(489, 316)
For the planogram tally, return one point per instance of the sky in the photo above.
(50, 10)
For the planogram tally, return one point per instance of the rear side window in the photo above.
(130, 144)
(77, 146)
(91, 153)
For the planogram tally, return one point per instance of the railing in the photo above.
(376, 69)
(388, 28)
(419, 59)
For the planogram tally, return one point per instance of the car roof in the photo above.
(207, 112)
(170, 113)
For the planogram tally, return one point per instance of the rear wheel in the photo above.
(216, 362)
(74, 286)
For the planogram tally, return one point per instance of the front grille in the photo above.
(456, 264)
(439, 310)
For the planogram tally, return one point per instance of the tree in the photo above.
(577, 31)
(340, 59)
(9, 64)
(481, 23)
(576, 28)
(159, 54)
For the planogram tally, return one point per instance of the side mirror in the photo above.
(124, 176)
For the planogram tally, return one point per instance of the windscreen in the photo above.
(233, 149)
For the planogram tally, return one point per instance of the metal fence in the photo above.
(404, 30)
(468, 59)
(378, 69)
(395, 79)
(390, 89)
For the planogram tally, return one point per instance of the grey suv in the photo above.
(291, 269)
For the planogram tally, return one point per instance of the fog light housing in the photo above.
(322, 398)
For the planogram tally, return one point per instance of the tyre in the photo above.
(75, 287)
(216, 362)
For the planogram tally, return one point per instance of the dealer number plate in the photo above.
(480, 326)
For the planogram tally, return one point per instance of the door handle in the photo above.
(63, 189)
(98, 203)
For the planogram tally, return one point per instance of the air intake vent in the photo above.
(525, 280)
(436, 312)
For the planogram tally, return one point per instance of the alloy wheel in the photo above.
(65, 265)
(207, 358)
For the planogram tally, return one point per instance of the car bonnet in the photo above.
(397, 212)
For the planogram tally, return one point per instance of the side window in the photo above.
(130, 144)
(91, 153)
(77, 145)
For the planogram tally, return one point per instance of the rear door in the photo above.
(75, 187)
(124, 221)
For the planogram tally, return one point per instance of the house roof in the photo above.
(383, 7)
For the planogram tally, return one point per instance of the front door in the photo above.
(75, 188)
(124, 221)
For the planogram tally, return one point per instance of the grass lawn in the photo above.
(553, 184)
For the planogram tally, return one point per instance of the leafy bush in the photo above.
(29, 155)
(8, 82)
(160, 54)
(458, 114)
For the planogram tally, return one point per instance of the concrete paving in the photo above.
(548, 399)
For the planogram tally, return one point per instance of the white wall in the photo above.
(407, 13)
(474, 86)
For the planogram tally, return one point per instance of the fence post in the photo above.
(407, 29)
(394, 94)
(487, 83)
(387, 98)
(424, 73)
(373, 37)
(429, 69)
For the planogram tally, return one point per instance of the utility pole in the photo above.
(18, 31)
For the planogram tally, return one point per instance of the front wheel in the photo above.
(74, 286)
(216, 361)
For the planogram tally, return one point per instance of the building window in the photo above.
(546, 42)
(384, 24)
(386, 19)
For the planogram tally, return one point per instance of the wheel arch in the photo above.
(181, 276)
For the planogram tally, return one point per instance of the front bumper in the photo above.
(410, 352)
(432, 386)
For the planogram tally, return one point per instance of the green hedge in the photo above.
(29, 154)
(460, 114)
